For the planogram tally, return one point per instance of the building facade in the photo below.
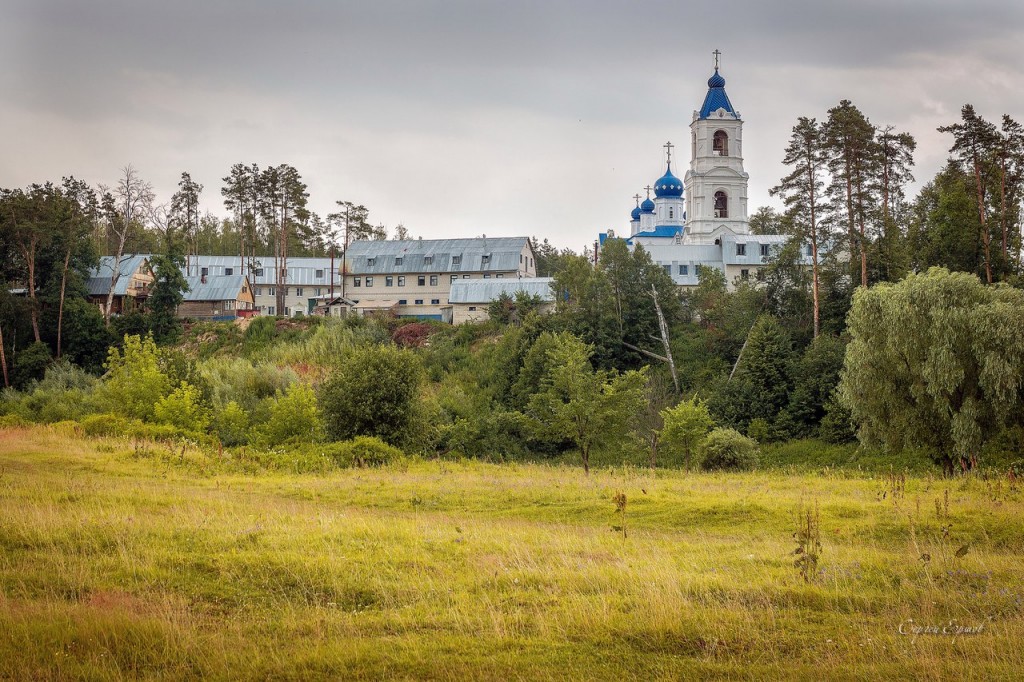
(405, 278)
(470, 298)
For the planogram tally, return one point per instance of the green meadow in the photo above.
(126, 559)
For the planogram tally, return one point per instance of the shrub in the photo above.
(728, 449)
(686, 426)
(292, 416)
(759, 429)
(373, 393)
(183, 409)
(99, 425)
(30, 364)
(238, 380)
(362, 451)
(13, 421)
(134, 383)
(65, 393)
(232, 425)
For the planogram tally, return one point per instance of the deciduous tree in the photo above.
(935, 361)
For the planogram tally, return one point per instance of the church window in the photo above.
(721, 204)
(720, 143)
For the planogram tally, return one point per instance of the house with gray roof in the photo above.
(470, 298)
(222, 297)
(132, 278)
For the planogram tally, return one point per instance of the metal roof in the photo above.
(215, 288)
(717, 99)
(98, 283)
(487, 290)
(479, 254)
(301, 270)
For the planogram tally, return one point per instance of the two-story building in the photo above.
(414, 278)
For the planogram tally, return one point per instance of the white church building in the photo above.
(703, 218)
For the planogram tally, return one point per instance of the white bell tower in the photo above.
(716, 184)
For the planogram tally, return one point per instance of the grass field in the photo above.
(121, 562)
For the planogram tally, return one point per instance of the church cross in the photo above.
(717, 53)
(668, 147)
(648, 188)
(637, 197)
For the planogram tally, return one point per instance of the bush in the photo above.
(100, 425)
(183, 409)
(65, 393)
(362, 451)
(232, 425)
(686, 426)
(292, 417)
(13, 421)
(30, 364)
(134, 382)
(373, 393)
(728, 449)
(238, 380)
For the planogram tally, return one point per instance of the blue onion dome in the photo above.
(668, 185)
(647, 206)
(635, 215)
(716, 81)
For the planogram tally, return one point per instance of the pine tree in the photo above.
(185, 216)
(852, 156)
(801, 191)
(974, 138)
(895, 159)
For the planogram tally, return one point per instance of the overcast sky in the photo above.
(460, 118)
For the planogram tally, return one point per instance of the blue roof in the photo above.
(647, 206)
(635, 215)
(668, 185)
(716, 98)
(662, 231)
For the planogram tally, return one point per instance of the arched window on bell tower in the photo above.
(720, 143)
(721, 204)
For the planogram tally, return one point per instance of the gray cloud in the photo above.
(465, 117)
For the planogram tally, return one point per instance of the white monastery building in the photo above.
(702, 220)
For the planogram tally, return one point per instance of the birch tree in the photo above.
(132, 200)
